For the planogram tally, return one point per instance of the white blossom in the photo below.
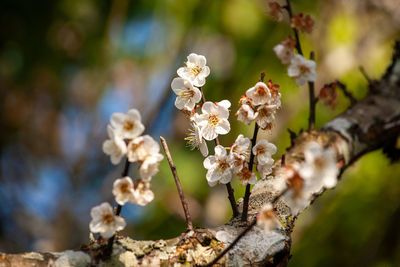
(264, 150)
(196, 70)
(218, 167)
(127, 125)
(115, 147)
(298, 195)
(302, 70)
(265, 168)
(259, 94)
(246, 114)
(187, 95)
(246, 176)
(142, 147)
(266, 218)
(285, 50)
(196, 140)
(149, 166)
(123, 190)
(265, 116)
(104, 221)
(240, 152)
(319, 167)
(142, 194)
(214, 119)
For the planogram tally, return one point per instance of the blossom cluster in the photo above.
(211, 119)
(125, 139)
(299, 68)
(302, 180)
(260, 104)
(319, 170)
(222, 166)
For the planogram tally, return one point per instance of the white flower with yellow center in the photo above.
(218, 167)
(196, 70)
(246, 114)
(127, 125)
(115, 147)
(302, 70)
(187, 96)
(142, 147)
(319, 167)
(259, 94)
(142, 195)
(104, 221)
(214, 119)
(196, 140)
(267, 218)
(123, 190)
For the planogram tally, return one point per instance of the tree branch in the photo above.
(364, 127)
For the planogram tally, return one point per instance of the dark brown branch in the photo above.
(251, 162)
(364, 73)
(178, 184)
(346, 93)
(118, 210)
(313, 102)
(296, 33)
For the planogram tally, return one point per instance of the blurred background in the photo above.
(67, 65)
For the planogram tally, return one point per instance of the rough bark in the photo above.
(369, 124)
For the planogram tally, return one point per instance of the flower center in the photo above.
(260, 150)
(245, 174)
(108, 218)
(304, 69)
(260, 91)
(223, 165)
(128, 125)
(296, 183)
(194, 69)
(124, 188)
(213, 120)
(192, 138)
(265, 112)
(319, 163)
(185, 93)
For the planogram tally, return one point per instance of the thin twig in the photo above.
(118, 210)
(202, 95)
(313, 101)
(245, 231)
(364, 73)
(347, 93)
(251, 162)
(296, 34)
(231, 197)
(178, 184)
